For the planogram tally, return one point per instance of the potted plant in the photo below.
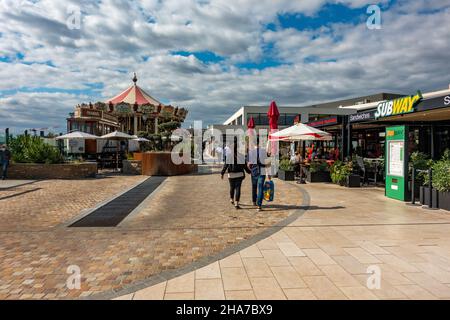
(342, 174)
(286, 170)
(441, 180)
(418, 161)
(318, 172)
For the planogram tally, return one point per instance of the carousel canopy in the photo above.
(134, 95)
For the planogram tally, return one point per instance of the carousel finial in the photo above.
(135, 78)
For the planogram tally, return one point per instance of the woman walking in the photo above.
(236, 174)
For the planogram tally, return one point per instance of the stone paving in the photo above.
(326, 253)
(188, 218)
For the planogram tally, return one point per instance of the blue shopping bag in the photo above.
(269, 190)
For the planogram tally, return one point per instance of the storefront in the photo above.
(333, 125)
(428, 122)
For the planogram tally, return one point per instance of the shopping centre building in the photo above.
(356, 126)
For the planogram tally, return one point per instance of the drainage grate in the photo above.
(112, 213)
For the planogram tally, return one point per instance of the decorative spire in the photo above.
(135, 79)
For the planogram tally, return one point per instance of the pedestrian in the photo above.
(5, 157)
(219, 154)
(259, 171)
(236, 174)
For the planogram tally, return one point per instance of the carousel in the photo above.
(132, 111)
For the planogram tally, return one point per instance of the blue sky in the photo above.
(212, 57)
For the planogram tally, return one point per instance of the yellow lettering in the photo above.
(397, 106)
(406, 104)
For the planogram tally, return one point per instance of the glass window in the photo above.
(264, 119)
(290, 118)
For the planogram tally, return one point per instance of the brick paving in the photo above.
(188, 218)
(326, 253)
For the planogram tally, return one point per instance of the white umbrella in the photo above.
(300, 131)
(117, 135)
(141, 140)
(77, 135)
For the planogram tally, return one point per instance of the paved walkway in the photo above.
(326, 253)
(8, 184)
(186, 222)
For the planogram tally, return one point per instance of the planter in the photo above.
(132, 167)
(444, 200)
(52, 171)
(321, 176)
(353, 181)
(425, 196)
(286, 175)
(160, 164)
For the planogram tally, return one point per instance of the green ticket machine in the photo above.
(397, 163)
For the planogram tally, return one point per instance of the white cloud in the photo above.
(341, 60)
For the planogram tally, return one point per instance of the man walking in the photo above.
(5, 156)
(259, 170)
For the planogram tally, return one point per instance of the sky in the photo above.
(213, 56)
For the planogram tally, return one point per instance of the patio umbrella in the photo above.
(141, 140)
(273, 114)
(117, 136)
(300, 131)
(251, 131)
(77, 135)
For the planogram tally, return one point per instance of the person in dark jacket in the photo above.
(5, 157)
(236, 174)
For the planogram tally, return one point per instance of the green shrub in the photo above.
(339, 171)
(318, 166)
(31, 149)
(286, 165)
(441, 173)
(420, 161)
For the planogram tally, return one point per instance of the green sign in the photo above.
(396, 162)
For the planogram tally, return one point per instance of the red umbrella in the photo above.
(273, 114)
(251, 131)
(251, 123)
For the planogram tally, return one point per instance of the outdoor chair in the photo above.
(366, 170)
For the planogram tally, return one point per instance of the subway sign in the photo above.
(398, 106)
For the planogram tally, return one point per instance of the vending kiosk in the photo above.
(397, 162)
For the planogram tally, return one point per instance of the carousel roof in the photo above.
(134, 95)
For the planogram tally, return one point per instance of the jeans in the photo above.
(4, 168)
(257, 189)
(235, 188)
